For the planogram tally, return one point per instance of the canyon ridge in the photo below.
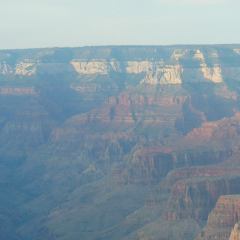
(120, 143)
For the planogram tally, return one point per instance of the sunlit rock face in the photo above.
(25, 69)
(235, 234)
(91, 67)
(157, 66)
(136, 67)
(213, 74)
(210, 73)
(222, 218)
(164, 75)
(120, 143)
(155, 72)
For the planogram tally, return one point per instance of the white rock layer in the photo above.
(25, 69)
(90, 67)
(5, 69)
(213, 74)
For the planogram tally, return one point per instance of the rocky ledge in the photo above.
(222, 219)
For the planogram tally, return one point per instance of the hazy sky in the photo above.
(42, 23)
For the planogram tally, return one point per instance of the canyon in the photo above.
(120, 143)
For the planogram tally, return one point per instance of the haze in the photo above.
(50, 23)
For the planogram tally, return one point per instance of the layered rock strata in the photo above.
(222, 219)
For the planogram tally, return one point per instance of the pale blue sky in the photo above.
(48, 23)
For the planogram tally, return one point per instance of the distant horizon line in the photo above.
(122, 45)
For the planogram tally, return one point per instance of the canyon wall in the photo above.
(235, 234)
(120, 143)
(222, 219)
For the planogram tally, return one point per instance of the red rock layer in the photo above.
(194, 198)
(222, 218)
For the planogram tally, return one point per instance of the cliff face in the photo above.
(223, 217)
(119, 142)
(169, 74)
(21, 68)
(130, 108)
(149, 165)
(92, 67)
(165, 66)
(235, 234)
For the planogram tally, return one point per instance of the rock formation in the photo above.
(136, 67)
(120, 143)
(195, 198)
(213, 73)
(164, 75)
(25, 69)
(91, 67)
(222, 218)
(235, 234)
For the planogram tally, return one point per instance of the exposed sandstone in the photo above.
(107, 129)
(25, 69)
(235, 234)
(150, 164)
(136, 67)
(222, 218)
(156, 72)
(194, 198)
(129, 108)
(213, 73)
(169, 74)
(91, 67)
(204, 133)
